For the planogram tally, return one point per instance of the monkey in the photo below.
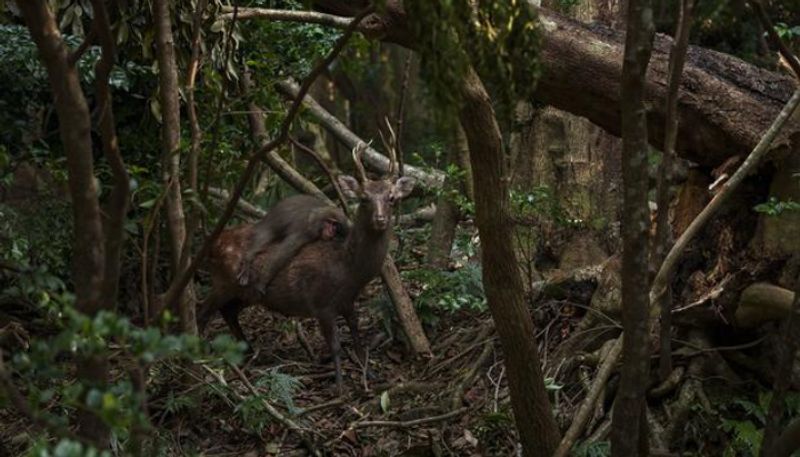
(293, 222)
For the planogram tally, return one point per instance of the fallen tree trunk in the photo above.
(724, 104)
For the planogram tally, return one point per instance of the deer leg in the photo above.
(328, 326)
(352, 322)
(230, 312)
(207, 308)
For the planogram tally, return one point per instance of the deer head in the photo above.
(377, 197)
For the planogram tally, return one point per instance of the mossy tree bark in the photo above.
(533, 414)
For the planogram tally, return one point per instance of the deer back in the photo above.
(317, 280)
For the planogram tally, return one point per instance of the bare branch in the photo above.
(401, 109)
(326, 169)
(412, 423)
(588, 405)
(308, 17)
(677, 58)
(250, 210)
(285, 170)
(193, 220)
(391, 148)
(430, 179)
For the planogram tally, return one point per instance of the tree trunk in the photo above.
(74, 129)
(533, 414)
(629, 426)
(581, 74)
(170, 139)
(443, 228)
(117, 206)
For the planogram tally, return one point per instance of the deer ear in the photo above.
(403, 187)
(349, 185)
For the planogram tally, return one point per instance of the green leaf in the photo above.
(385, 403)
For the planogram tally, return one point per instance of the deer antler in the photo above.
(391, 148)
(358, 150)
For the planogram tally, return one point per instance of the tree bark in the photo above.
(74, 129)
(664, 188)
(404, 307)
(443, 228)
(725, 102)
(629, 426)
(533, 414)
(170, 144)
(117, 206)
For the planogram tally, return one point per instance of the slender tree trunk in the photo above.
(628, 435)
(74, 129)
(170, 139)
(443, 228)
(661, 242)
(117, 206)
(193, 221)
(532, 411)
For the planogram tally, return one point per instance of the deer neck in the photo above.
(367, 247)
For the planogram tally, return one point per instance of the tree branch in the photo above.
(76, 55)
(193, 221)
(588, 405)
(373, 158)
(326, 169)
(677, 58)
(412, 423)
(117, 206)
(308, 17)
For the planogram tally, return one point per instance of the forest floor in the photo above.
(454, 403)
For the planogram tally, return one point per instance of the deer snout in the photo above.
(381, 221)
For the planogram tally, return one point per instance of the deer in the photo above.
(323, 280)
